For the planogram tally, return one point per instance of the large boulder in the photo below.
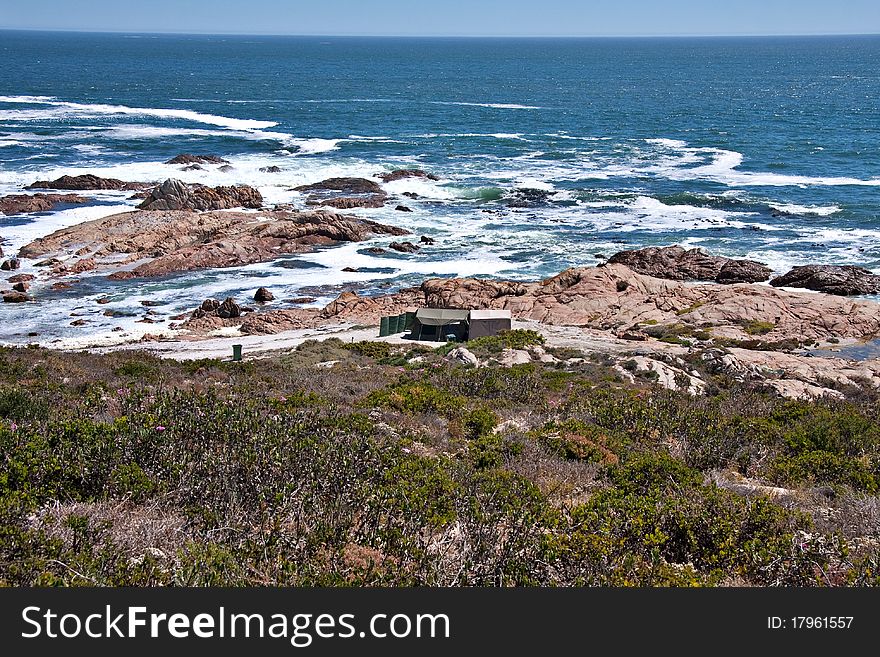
(11, 264)
(24, 203)
(743, 271)
(262, 295)
(229, 309)
(678, 264)
(86, 182)
(400, 174)
(843, 280)
(189, 158)
(176, 195)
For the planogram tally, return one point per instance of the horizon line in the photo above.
(444, 36)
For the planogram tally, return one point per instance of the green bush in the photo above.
(514, 339)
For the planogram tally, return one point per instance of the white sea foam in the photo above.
(724, 165)
(313, 146)
(489, 105)
(65, 109)
(818, 210)
(669, 143)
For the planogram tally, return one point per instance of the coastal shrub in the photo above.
(757, 327)
(416, 397)
(513, 339)
(658, 517)
(19, 404)
(582, 441)
(281, 473)
(137, 369)
(370, 349)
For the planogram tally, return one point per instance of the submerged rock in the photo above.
(343, 185)
(16, 297)
(271, 169)
(842, 280)
(527, 198)
(400, 174)
(403, 208)
(189, 158)
(404, 247)
(344, 193)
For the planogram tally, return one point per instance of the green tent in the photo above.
(439, 323)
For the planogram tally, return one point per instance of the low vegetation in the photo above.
(369, 464)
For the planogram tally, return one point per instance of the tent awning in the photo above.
(490, 314)
(440, 316)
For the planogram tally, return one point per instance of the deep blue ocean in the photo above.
(767, 148)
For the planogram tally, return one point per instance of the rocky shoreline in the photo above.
(657, 304)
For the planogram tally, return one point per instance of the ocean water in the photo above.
(767, 148)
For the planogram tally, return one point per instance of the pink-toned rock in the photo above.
(87, 181)
(176, 195)
(615, 298)
(165, 242)
(25, 203)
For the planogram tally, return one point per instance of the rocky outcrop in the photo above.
(403, 208)
(843, 280)
(276, 321)
(87, 182)
(11, 264)
(678, 264)
(344, 193)
(350, 305)
(271, 169)
(25, 203)
(157, 243)
(614, 298)
(189, 158)
(176, 195)
(262, 295)
(400, 174)
(21, 278)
